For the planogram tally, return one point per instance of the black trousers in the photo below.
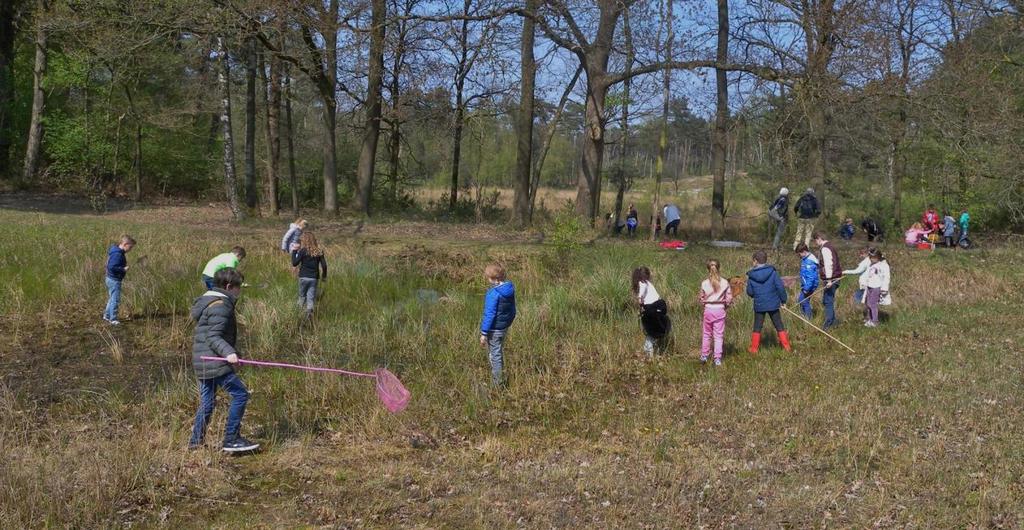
(776, 321)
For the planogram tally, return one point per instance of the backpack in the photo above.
(808, 207)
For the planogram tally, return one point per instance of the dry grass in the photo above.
(920, 429)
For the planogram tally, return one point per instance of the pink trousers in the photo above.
(714, 330)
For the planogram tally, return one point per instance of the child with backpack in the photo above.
(715, 296)
(653, 311)
(765, 287)
(875, 283)
(309, 258)
(215, 336)
(227, 260)
(499, 313)
(117, 268)
(808, 278)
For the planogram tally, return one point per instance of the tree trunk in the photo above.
(368, 153)
(250, 125)
(35, 130)
(721, 124)
(456, 150)
(292, 178)
(817, 121)
(7, 32)
(524, 125)
(272, 102)
(549, 135)
(230, 182)
(588, 179)
(622, 181)
(663, 140)
(138, 159)
(328, 85)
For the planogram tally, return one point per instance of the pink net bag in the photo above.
(390, 390)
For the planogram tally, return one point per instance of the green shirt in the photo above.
(223, 261)
(965, 219)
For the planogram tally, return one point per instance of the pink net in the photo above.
(391, 392)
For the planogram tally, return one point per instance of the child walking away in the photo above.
(715, 296)
(765, 286)
(875, 282)
(830, 272)
(309, 258)
(117, 267)
(948, 229)
(653, 311)
(499, 312)
(290, 241)
(808, 278)
(222, 261)
(216, 332)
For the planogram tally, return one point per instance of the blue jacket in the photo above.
(765, 286)
(948, 226)
(847, 231)
(809, 272)
(499, 308)
(116, 263)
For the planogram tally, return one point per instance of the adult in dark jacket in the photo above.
(807, 211)
(215, 335)
(765, 286)
(779, 212)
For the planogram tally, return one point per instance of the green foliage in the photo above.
(567, 230)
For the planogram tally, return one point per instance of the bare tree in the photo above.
(524, 121)
(271, 94)
(251, 198)
(665, 98)
(721, 123)
(35, 130)
(371, 134)
(230, 180)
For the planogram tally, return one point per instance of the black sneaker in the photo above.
(240, 445)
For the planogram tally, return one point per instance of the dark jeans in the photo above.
(208, 281)
(828, 299)
(776, 321)
(231, 383)
(805, 302)
(307, 292)
(672, 228)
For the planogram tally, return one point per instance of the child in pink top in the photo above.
(916, 234)
(715, 296)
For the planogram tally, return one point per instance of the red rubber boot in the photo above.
(755, 342)
(784, 340)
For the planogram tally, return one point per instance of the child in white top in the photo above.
(875, 282)
(653, 311)
(862, 268)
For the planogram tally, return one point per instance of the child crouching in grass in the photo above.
(309, 258)
(653, 311)
(765, 286)
(499, 312)
(216, 332)
(715, 296)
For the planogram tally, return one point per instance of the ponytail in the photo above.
(714, 277)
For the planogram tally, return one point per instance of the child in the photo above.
(871, 228)
(930, 218)
(715, 296)
(915, 234)
(309, 258)
(965, 219)
(117, 267)
(765, 286)
(948, 229)
(499, 312)
(847, 231)
(631, 220)
(290, 241)
(830, 273)
(216, 330)
(875, 282)
(653, 311)
(808, 278)
(861, 270)
(222, 261)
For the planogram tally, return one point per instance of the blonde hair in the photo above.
(917, 226)
(127, 239)
(495, 272)
(307, 242)
(301, 222)
(714, 276)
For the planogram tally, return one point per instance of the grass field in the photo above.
(921, 428)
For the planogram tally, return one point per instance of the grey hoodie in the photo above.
(214, 314)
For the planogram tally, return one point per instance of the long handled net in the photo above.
(391, 392)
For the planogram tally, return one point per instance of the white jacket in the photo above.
(876, 277)
(647, 293)
(861, 269)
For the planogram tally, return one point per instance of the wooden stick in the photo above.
(808, 322)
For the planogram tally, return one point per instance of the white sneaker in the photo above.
(114, 322)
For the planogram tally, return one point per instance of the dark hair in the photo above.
(226, 277)
(239, 251)
(761, 256)
(801, 247)
(819, 236)
(640, 274)
(873, 252)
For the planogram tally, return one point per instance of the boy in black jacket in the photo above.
(216, 332)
